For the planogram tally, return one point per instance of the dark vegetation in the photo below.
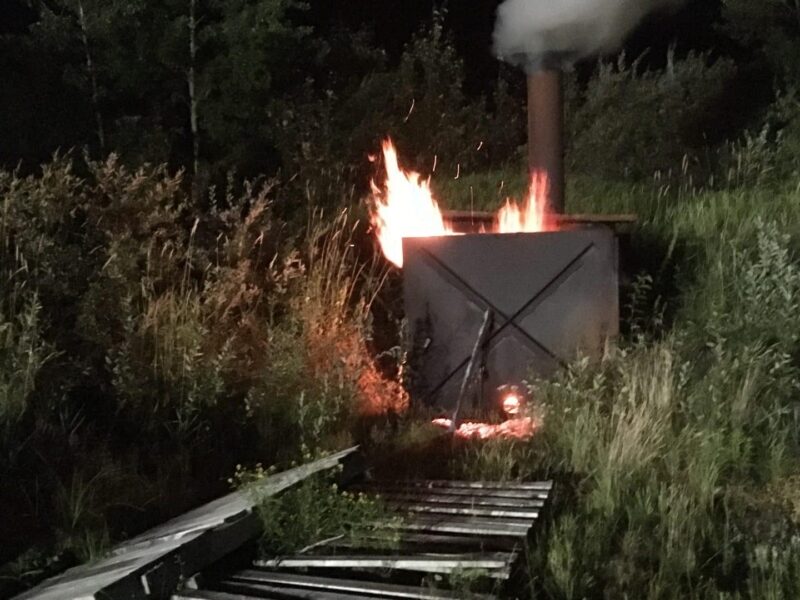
(314, 511)
(185, 285)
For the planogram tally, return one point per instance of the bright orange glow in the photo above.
(404, 206)
(512, 403)
(517, 428)
(533, 216)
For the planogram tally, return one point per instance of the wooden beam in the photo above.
(488, 217)
(464, 509)
(472, 485)
(493, 501)
(350, 586)
(497, 565)
(163, 556)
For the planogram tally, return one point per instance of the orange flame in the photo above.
(533, 216)
(517, 428)
(405, 207)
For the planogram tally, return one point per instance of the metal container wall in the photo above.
(551, 295)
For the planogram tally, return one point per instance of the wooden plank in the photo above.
(597, 218)
(484, 217)
(212, 595)
(497, 565)
(429, 542)
(480, 485)
(482, 543)
(441, 491)
(163, 556)
(380, 590)
(262, 591)
(444, 498)
(468, 526)
(465, 509)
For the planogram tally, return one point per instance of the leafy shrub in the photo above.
(420, 102)
(138, 330)
(315, 511)
(630, 123)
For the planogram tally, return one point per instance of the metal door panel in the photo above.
(550, 294)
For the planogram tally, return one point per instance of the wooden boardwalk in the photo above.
(152, 565)
(446, 528)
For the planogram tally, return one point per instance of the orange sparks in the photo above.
(404, 206)
(517, 428)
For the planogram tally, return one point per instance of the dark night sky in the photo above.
(472, 22)
(394, 22)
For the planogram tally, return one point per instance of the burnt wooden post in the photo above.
(473, 362)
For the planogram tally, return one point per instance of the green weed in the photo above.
(316, 511)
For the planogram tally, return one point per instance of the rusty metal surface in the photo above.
(546, 131)
(552, 294)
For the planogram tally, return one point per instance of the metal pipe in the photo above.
(546, 131)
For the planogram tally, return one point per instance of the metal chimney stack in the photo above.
(546, 130)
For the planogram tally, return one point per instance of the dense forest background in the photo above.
(278, 86)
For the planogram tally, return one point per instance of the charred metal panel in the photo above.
(551, 294)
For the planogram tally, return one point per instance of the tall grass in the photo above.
(675, 454)
(147, 346)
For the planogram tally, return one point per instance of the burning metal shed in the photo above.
(550, 295)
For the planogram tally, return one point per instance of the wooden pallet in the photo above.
(446, 527)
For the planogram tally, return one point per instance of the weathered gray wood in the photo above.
(432, 542)
(381, 590)
(471, 492)
(283, 593)
(446, 527)
(497, 565)
(493, 501)
(151, 565)
(212, 595)
(468, 526)
(465, 509)
(480, 485)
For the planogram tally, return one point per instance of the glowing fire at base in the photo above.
(512, 403)
(405, 207)
(517, 428)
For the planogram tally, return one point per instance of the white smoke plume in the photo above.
(529, 32)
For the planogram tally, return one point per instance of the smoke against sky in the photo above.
(563, 31)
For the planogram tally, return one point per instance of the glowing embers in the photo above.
(511, 401)
(404, 207)
(520, 428)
